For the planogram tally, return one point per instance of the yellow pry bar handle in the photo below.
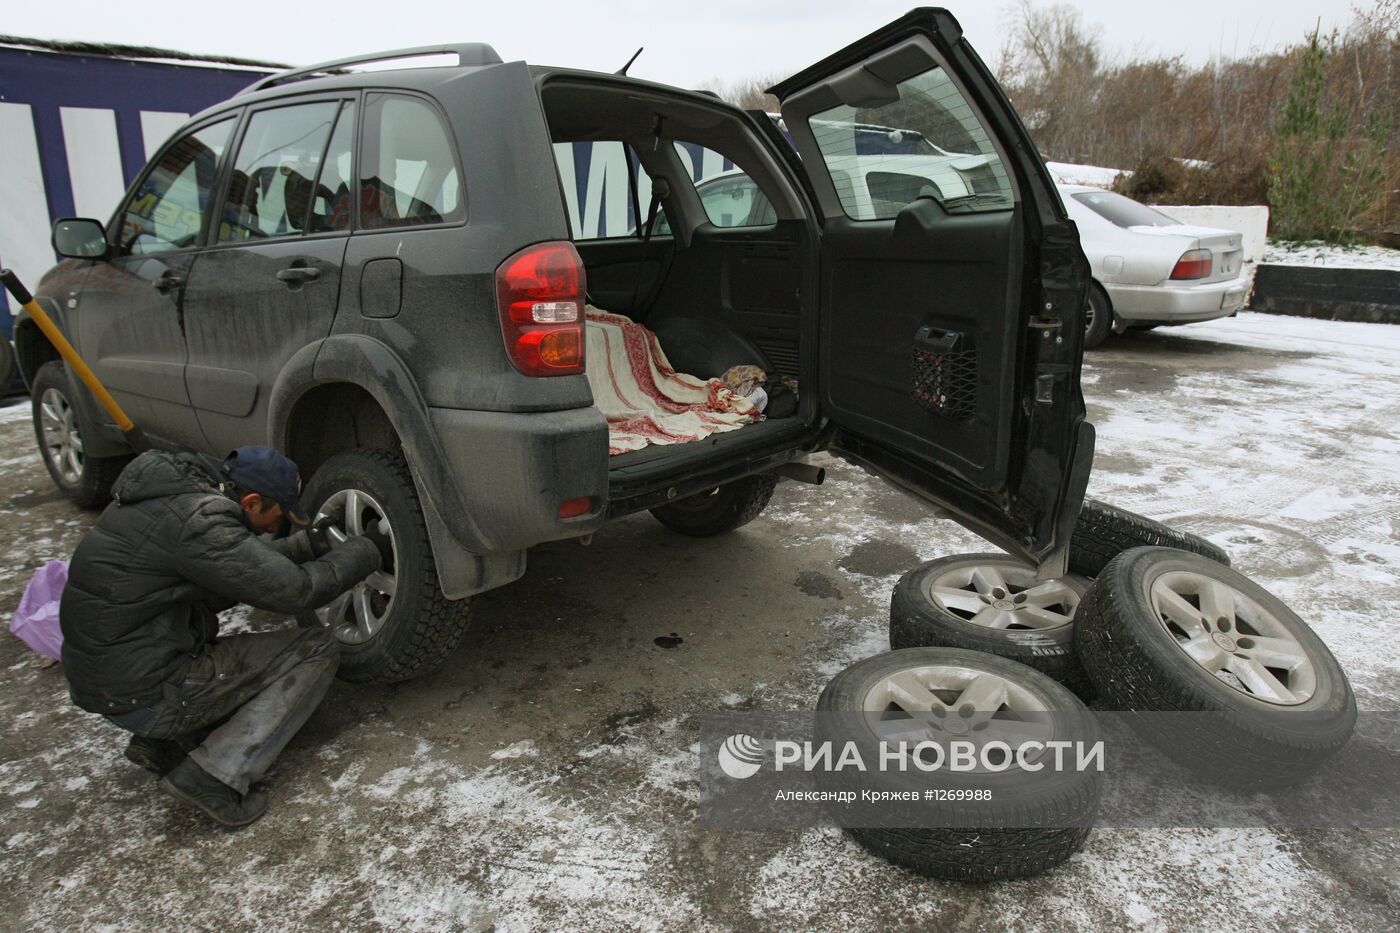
(65, 349)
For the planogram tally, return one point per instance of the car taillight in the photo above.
(539, 294)
(1194, 264)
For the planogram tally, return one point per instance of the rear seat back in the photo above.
(706, 348)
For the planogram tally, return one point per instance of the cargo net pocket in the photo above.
(945, 382)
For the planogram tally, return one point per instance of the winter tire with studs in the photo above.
(1163, 630)
(1034, 819)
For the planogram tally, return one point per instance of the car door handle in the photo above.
(298, 274)
(166, 282)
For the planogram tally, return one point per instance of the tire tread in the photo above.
(1104, 531)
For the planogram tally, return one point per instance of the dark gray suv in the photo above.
(384, 274)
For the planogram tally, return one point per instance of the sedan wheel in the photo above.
(1098, 318)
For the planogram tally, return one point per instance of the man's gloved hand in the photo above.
(383, 543)
(319, 536)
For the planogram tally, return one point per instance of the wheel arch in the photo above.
(322, 405)
(32, 350)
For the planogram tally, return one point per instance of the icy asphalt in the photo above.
(546, 778)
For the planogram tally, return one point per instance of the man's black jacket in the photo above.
(170, 551)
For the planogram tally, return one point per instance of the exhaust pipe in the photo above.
(802, 472)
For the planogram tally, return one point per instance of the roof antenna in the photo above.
(623, 69)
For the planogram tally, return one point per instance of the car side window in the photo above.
(330, 201)
(271, 188)
(606, 193)
(929, 142)
(408, 165)
(168, 209)
(730, 197)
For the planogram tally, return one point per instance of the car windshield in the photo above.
(1124, 212)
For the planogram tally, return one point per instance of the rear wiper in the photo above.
(972, 200)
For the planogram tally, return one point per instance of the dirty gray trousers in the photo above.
(254, 690)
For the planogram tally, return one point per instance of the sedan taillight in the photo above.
(539, 295)
(1194, 264)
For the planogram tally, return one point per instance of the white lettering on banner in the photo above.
(157, 126)
(607, 174)
(24, 206)
(1094, 753)
(564, 159)
(94, 160)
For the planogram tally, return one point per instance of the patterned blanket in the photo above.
(644, 399)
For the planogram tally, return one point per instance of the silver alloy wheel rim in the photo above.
(943, 702)
(358, 614)
(1233, 638)
(1088, 314)
(1003, 595)
(63, 445)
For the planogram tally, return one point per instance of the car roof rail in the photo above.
(468, 54)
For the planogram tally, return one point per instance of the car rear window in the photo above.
(930, 140)
(1121, 211)
(408, 172)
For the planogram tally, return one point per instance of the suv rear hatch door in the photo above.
(951, 322)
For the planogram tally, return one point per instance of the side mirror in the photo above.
(79, 238)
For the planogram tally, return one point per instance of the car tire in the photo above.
(397, 625)
(1098, 317)
(1104, 531)
(719, 510)
(1131, 634)
(1033, 822)
(992, 603)
(60, 433)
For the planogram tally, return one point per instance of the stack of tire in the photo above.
(1149, 619)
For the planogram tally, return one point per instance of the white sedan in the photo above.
(1149, 269)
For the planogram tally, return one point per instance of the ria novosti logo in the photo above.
(741, 756)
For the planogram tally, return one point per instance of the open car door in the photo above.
(953, 285)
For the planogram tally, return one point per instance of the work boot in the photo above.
(158, 756)
(190, 784)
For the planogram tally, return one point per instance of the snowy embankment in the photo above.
(1335, 257)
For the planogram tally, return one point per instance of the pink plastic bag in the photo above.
(36, 620)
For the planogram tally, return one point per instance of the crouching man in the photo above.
(181, 541)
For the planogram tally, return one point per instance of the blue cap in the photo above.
(268, 473)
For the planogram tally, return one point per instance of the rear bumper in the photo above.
(1178, 304)
(512, 471)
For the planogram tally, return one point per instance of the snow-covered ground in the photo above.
(1335, 257)
(1068, 173)
(547, 777)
